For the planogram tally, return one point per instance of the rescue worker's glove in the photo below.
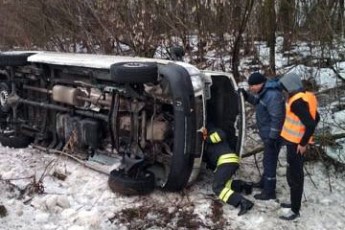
(244, 93)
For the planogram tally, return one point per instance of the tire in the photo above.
(14, 59)
(120, 182)
(134, 72)
(15, 141)
(181, 164)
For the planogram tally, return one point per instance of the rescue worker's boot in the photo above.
(245, 205)
(259, 184)
(269, 189)
(291, 215)
(285, 205)
(247, 187)
(265, 196)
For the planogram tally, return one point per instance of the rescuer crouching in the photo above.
(225, 162)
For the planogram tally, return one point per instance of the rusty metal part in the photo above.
(125, 123)
(92, 99)
(70, 144)
(42, 90)
(61, 108)
(143, 129)
(156, 131)
(67, 95)
(95, 101)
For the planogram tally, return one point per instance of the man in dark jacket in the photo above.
(299, 125)
(269, 103)
(225, 162)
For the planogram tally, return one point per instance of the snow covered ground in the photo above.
(83, 200)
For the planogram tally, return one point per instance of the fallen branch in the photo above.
(257, 166)
(253, 152)
(328, 139)
(321, 139)
(309, 175)
(337, 73)
(35, 186)
(17, 178)
(327, 91)
(14, 187)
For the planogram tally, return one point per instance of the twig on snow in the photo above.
(253, 152)
(309, 175)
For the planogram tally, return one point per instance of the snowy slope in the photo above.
(84, 201)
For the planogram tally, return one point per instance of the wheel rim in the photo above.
(4, 94)
(135, 65)
(3, 99)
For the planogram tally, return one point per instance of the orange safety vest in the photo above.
(293, 129)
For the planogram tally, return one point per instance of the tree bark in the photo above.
(286, 22)
(341, 18)
(238, 40)
(272, 26)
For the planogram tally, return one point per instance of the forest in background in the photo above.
(229, 27)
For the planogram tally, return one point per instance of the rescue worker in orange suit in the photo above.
(299, 125)
(224, 161)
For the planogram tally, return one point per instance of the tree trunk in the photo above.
(235, 61)
(341, 18)
(238, 40)
(286, 21)
(271, 39)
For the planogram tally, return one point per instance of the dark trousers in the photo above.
(222, 175)
(295, 176)
(270, 161)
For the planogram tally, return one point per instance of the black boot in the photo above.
(259, 184)
(290, 215)
(285, 205)
(247, 187)
(265, 196)
(245, 206)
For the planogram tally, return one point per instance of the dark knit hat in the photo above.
(256, 78)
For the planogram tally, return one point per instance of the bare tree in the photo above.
(240, 29)
(340, 21)
(271, 26)
(286, 21)
(105, 26)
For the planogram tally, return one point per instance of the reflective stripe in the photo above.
(292, 121)
(228, 158)
(262, 103)
(225, 194)
(215, 138)
(228, 184)
(292, 132)
(225, 161)
(270, 178)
